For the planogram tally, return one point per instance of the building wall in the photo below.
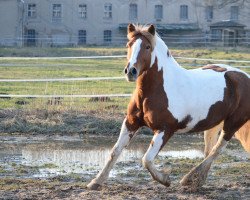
(222, 12)
(66, 31)
(10, 23)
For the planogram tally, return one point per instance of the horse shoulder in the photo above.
(134, 113)
(156, 114)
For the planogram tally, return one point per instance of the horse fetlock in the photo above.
(165, 180)
(161, 178)
(196, 177)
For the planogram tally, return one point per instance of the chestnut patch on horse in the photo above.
(141, 31)
(240, 98)
(215, 68)
(149, 105)
(235, 104)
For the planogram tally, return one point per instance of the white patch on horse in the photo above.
(187, 90)
(149, 157)
(154, 148)
(135, 51)
(121, 143)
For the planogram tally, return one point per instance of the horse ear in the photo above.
(131, 28)
(151, 29)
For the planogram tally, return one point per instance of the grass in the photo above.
(44, 121)
(15, 68)
(44, 52)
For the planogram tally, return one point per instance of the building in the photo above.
(104, 22)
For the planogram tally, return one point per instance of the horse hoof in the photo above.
(185, 181)
(192, 181)
(94, 186)
(167, 183)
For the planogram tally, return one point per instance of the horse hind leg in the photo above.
(243, 135)
(211, 137)
(197, 176)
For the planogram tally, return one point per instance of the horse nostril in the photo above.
(126, 70)
(134, 71)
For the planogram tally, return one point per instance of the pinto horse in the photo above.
(170, 99)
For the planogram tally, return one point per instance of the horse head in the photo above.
(140, 48)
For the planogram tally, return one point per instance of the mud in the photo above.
(59, 167)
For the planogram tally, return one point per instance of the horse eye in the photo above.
(148, 47)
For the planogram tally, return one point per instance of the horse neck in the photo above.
(164, 70)
(171, 69)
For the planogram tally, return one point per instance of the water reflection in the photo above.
(191, 154)
(86, 156)
(85, 159)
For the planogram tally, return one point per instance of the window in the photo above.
(56, 12)
(82, 10)
(158, 12)
(216, 34)
(108, 11)
(107, 37)
(234, 12)
(30, 37)
(183, 12)
(133, 11)
(209, 13)
(82, 37)
(32, 10)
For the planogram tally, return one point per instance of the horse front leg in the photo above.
(157, 143)
(122, 142)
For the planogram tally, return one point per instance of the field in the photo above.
(70, 125)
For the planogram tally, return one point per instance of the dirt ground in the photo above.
(229, 178)
(237, 187)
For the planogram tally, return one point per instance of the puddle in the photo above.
(85, 156)
(191, 154)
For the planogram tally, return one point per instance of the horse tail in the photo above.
(243, 135)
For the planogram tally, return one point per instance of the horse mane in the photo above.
(143, 30)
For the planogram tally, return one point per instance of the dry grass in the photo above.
(59, 122)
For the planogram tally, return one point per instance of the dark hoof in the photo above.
(94, 186)
(167, 184)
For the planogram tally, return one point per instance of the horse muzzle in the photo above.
(131, 74)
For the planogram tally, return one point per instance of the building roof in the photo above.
(227, 23)
(168, 27)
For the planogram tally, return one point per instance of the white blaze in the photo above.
(135, 51)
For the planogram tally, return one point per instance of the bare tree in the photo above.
(223, 3)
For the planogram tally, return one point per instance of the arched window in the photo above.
(183, 12)
(158, 12)
(133, 11)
